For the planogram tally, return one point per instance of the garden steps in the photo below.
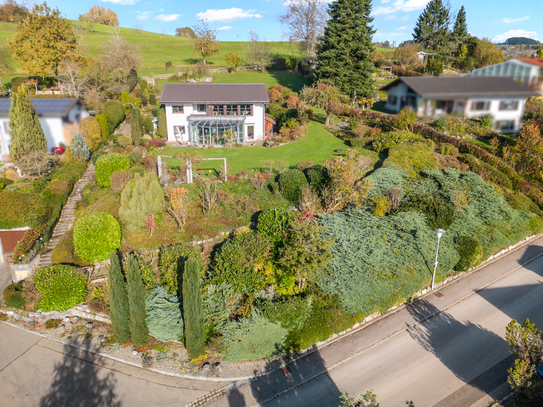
(67, 216)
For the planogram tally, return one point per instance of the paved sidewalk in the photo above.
(317, 366)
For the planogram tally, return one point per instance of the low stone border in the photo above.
(81, 311)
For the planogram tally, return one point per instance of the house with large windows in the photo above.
(201, 114)
(466, 96)
(528, 71)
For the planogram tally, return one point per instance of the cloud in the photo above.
(120, 2)
(405, 27)
(142, 15)
(390, 17)
(225, 28)
(400, 5)
(226, 15)
(515, 33)
(168, 17)
(512, 20)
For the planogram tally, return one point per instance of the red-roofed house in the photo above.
(528, 71)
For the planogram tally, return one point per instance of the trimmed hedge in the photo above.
(291, 183)
(60, 287)
(108, 164)
(96, 235)
(115, 113)
(104, 126)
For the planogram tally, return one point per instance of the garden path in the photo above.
(67, 217)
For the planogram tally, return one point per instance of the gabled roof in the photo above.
(214, 93)
(533, 61)
(44, 107)
(463, 86)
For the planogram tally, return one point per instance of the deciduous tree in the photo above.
(43, 40)
(118, 300)
(11, 12)
(233, 60)
(344, 57)
(432, 27)
(205, 41)
(258, 52)
(186, 32)
(406, 55)
(25, 127)
(100, 15)
(487, 53)
(325, 96)
(117, 56)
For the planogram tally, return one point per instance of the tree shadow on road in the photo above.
(78, 382)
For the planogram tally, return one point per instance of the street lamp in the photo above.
(439, 233)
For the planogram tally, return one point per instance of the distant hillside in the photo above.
(521, 41)
(156, 49)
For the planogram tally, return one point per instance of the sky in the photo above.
(393, 19)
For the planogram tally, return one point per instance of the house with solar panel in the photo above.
(214, 114)
(500, 97)
(59, 118)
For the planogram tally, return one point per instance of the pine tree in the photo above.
(344, 57)
(192, 310)
(432, 28)
(540, 52)
(136, 302)
(25, 128)
(460, 31)
(135, 127)
(118, 299)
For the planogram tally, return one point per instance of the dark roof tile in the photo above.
(44, 107)
(214, 93)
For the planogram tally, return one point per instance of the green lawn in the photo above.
(156, 49)
(317, 146)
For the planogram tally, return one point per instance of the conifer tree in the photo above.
(136, 301)
(540, 51)
(432, 27)
(118, 299)
(460, 31)
(344, 57)
(192, 310)
(135, 127)
(25, 128)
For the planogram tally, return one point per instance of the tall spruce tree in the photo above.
(192, 310)
(136, 301)
(460, 31)
(344, 57)
(118, 299)
(432, 28)
(135, 126)
(25, 128)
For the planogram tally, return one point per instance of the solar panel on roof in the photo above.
(42, 106)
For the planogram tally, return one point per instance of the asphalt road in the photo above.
(446, 350)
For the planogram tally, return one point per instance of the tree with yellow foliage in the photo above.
(205, 41)
(44, 39)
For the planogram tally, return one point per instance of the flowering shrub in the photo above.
(96, 235)
(58, 150)
(109, 163)
(26, 243)
(60, 287)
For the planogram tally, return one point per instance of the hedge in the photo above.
(108, 164)
(96, 235)
(60, 287)
(104, 126)
(115, 113)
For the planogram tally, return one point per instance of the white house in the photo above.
(528, 71)
(468, 96)
(212, 113)
(59, 118)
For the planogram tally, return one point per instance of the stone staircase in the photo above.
(67, 216)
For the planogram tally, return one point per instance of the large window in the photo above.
(480, 106)
(231, 110)
(392, 99)
(179, 131)
(511, 105)
(218, 110)
(251, 132)
(178, 109)
(246, 110)
(208, 130)
(505, 125)
(201, 108)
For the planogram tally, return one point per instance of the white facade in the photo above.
(181, 117)
(529, 72)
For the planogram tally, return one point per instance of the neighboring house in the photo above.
(214, 113)
(423, 56)
(528, 71)
(467, 96)
(59, 118)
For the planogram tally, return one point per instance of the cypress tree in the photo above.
(136, 302)
(118, 299)
(432, 27)
(162, 122)
(25, 128)
(344, 57)
(192, 310)
(460, 31)
(135, 127)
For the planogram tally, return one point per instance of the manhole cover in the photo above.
(438, 294)
(285, 370)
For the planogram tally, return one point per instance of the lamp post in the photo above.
(439, 233)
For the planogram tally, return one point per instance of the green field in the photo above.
(156, 49)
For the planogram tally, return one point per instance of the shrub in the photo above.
(274, 224)
(64, 252)
(4, 182)
(241, 261)
(487, 171)
(164, 317)
(104, 126)
(36, 162)
(384, 141)
(382, 205)
(96, 235)
(289, 312)
(124, 141)
(142, 196)
(171, 263)
(13, 296)
(317, 176)
(470, 251)
(119, 180)
(439, 124)
(107, 165)
(405, 119)
(115, 113)
(152, 101)
(124, 98)
(252, 338)
(91, 130)
(220, 302)
(80, 149)
(148, 124)
(20, 210)
(60, 287)
(521, 202)
(485, 121)
(448, 149)
(96, 155)
(360, 142)
(413, 157)
(291, 183)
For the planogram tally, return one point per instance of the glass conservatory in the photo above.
(216, 130)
